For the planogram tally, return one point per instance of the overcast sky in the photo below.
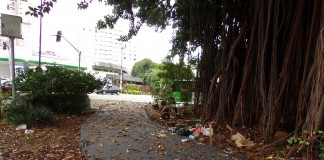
(66, 17)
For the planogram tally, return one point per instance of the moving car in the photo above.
(109, 89)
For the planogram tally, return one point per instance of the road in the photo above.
(122, 97)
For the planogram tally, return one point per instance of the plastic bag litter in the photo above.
(22, 126)
(207, 131)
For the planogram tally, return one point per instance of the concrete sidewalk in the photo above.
(122, 130)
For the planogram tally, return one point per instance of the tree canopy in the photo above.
(142, 68)
(261, 62)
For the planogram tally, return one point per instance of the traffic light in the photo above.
(5, 46)
(58, 36)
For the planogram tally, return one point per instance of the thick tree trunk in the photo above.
(271, 67)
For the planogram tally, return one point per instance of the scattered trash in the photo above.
(240, 140)
(191, 137)
(184, 132)
(179, 131)
(196, 131)
(207, 131)
(29, 131)
(162, 135)
(22, 126)
(228, 152)
(172, 129)
(203, 139)
(185, 140)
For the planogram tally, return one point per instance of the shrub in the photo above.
(132, 87)
(70, 104)
(61, 89)
(5, 95)
(17, 115)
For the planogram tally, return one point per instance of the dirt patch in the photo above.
(59, 141)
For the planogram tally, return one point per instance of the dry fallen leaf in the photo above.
(113, 139)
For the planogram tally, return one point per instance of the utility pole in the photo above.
(121, 68)
(13, 74)
(11, 27)
(40, 38)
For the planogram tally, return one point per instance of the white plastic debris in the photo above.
(207, 131)
(29, 131)
(22, 126)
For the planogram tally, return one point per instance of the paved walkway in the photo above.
(123, 131)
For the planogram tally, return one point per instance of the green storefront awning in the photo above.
(46, 63)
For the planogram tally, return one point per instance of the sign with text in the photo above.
(11, 26)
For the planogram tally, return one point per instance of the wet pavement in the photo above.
(122, 130)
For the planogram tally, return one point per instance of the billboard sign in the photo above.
(11, 26)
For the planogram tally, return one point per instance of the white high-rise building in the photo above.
(102, 50)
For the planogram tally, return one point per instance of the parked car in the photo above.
(6, 86)
(3, 80)
(110, 89)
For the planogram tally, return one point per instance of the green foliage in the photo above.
(17, 115)
(5, 95)
(152, 78)
(61, 89)
(173, 77)
(133, 92)
(57, 80)
(163, 93)
(133, 87)
(297, 140)
(67, 104)
(321, 145)
(142, 69)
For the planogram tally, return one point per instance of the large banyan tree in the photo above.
(261, 62)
